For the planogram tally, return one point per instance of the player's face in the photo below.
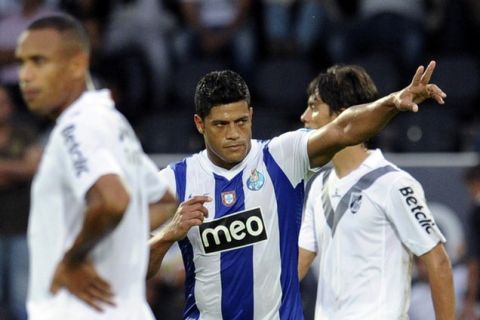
(317, 114)
(227, 131)
(45, 71)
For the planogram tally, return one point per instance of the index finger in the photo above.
(427, 75)
(198, 199)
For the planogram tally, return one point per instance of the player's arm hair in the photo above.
(353, 126)
(440, 278)
(305, 259)
(107, 201)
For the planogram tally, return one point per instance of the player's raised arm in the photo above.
(357, 124)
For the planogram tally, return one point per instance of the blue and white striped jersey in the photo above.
(241, 263)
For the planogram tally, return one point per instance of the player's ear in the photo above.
(199, 123)
(79, 65)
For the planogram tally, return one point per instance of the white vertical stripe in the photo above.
(208, 286)
(266, 255)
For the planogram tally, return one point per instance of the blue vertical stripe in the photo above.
(289, 206)
(191, 311)
(236, 266)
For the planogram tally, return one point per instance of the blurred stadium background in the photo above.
(151, 53)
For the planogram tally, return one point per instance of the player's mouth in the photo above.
(235, 147)
(30, 94)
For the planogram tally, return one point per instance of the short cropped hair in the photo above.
(343, 86)
(218, 88)
(69, 27)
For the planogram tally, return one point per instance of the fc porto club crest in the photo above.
(229, 198)
(355, 202)
(256, 180)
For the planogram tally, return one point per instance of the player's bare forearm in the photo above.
(353, 126)
(305, 259)
(441, 282)
(189, 214)
(107, 202)
(357, 124)
(159, 246)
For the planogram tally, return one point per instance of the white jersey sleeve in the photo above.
(309, 238)
(290, 152)
(168, 178)
(155, 186)
(88, 156)
(408, 211)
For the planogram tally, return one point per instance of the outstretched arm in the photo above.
(440, 278)
(189, 214)
(357, 124)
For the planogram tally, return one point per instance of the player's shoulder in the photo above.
(291, 135)
(90, 107)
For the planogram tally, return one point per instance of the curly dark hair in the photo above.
(218, 88)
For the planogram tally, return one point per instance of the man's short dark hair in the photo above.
(343, 86)
(69, 27)
(218, 88)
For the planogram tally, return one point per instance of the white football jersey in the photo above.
(90, 139)
(364, 227)
(241, 263)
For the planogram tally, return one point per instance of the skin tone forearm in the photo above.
(440, 278)
(356, 124)
(305, 259)
(189, 214)
(353, 126)
(107, 201)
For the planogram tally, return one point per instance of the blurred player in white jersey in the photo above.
(91, 197)
(241, 263)
(365, 218)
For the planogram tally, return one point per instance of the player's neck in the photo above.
(76, 91)
(349, 159)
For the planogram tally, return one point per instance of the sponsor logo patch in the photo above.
(256, 180)
(416, 209)
(233, 231)
(73, 147)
